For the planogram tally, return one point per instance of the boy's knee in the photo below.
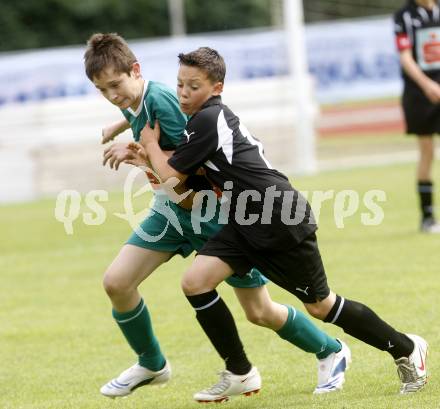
(193, 284)
(257, 317)
(114, 285)
(321, 309)
(316, 311)
(189, 286)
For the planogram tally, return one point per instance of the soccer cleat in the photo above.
(231, 385)
(412, 370)
(429, 225)
(134, 377)
(331, 370)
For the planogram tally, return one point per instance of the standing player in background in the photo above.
(417, 30)
(113, 68)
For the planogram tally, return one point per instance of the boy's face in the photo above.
(121, 89)
(194, 88)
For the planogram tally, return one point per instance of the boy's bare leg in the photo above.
(260, 309)
(129, 269)
(121, 280)
(426, 152)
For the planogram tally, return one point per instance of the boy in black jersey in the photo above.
(270, 224)
(417, 32)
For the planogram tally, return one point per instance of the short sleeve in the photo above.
(199, 144)
(403, 41)
(172, 121)
(126, 114)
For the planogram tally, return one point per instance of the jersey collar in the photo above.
(215, 100)
(141, 104)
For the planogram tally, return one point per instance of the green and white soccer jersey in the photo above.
(159, 102)
(168, 227)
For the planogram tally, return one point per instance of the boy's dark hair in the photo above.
(107, 50)
(208, 60)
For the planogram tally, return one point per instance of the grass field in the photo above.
(58, 343)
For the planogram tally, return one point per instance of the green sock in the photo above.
(138, 330)
(300, 331)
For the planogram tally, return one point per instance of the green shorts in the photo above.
(253, 279)
(160, 233)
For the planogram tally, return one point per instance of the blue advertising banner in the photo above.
(348, 60)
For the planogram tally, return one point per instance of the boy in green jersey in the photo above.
(114, 70)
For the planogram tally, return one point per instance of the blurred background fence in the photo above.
(51, 116)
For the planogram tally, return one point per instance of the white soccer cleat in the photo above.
(231, 385)
(412, 370)
(134, 377)
(430, 226)
(331, 370)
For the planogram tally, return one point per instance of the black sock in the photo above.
(218, 323)
(362, 323)
(425, 189)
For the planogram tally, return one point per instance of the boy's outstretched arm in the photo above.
(158, 159)
(110, 132)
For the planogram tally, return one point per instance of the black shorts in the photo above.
(421, 116)
(297, 268)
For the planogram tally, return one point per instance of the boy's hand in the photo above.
(432, 91)
(149, 135)
(139, 156)
(118, 153)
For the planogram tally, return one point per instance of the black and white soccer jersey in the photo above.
(418, 29)
(263, 204)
